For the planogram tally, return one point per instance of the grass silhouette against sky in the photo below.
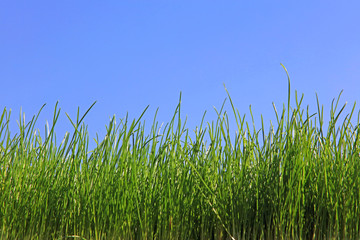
(129, 54)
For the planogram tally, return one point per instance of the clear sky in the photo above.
(129, 54)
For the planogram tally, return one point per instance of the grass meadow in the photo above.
(295, 180)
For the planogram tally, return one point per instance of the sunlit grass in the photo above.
(295, 180)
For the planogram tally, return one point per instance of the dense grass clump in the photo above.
(296, 181)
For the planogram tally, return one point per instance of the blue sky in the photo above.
(129, 54)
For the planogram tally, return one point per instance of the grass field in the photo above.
(295, 180)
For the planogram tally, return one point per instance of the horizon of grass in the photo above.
(296, 181)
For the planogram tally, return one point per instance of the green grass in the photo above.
(294, 181)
